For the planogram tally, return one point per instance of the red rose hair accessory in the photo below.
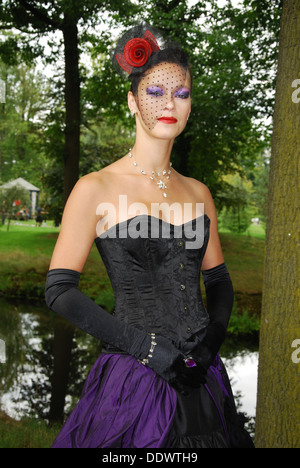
(135, 48)
(137, 51)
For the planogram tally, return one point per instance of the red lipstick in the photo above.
(168, 120)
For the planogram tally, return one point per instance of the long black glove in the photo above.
(63, 297)
(220, 295)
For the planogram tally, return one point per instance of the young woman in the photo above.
(159, 381)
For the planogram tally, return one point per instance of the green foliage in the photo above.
(20, 123)
(103, 144)
(260, 177)
(235, 219)
(52, 175)
(233, 52)
(12, 200)
(235, 215)
(243, 323)
(8, 196)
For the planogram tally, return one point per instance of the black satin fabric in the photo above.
(197, 420)
(156, 278)
(207, 417)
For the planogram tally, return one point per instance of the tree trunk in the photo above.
(63, 340)
(278, 408)
(63, 337)
(72, 100)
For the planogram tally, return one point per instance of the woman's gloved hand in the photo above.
(187, 372)
(203, 357)
(171, 364)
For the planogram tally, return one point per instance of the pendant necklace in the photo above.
(155, 176)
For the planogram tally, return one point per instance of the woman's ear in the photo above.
(131, 103)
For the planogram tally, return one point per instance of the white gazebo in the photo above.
(34, 191)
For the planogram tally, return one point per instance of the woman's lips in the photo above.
(168, 120)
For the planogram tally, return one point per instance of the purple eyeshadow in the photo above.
(155, 91)
(184, 93)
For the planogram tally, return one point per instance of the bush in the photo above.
(243, 323)
(235, 219)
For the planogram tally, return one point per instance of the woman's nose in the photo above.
(169, 103)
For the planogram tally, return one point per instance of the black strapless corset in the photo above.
(154, 268)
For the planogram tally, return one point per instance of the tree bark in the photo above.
(278, 407)
(63, 337)
(72, 100)
(62, 348)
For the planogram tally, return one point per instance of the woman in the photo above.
(159, 381)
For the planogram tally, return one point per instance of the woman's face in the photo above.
(163, 100)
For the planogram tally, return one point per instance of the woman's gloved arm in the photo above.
(220, 295)
(63, 296)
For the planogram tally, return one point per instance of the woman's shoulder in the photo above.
(199, 188)
(98, 180)
(89, 183)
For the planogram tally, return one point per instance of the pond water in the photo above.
(28, 344)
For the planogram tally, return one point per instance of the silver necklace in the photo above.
(155, 176)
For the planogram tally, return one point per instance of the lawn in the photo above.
(27, 433)
(25, 252)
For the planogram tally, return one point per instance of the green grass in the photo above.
(255, 230)
(27, 433)
(28, 239)
(25, 254)
(244, 257)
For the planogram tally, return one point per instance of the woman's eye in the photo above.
(154, 91)
(182, 94)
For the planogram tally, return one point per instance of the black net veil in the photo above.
(143, 52)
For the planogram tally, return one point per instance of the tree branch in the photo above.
(13, 26)
(40, 15)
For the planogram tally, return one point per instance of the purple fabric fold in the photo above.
(124, 404)
(127, 405)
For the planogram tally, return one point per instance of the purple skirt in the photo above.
(126, 405)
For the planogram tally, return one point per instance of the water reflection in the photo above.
(26, 376)
(242, 371)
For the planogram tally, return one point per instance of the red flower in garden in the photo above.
(17, 202)
(137, 51)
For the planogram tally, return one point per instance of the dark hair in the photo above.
(170, 55)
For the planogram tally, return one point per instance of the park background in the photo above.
(63, 114)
